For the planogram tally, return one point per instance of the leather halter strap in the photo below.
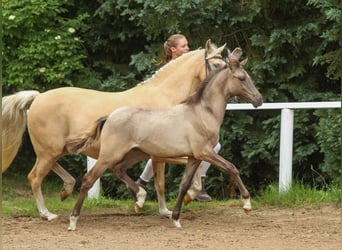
(207, 65)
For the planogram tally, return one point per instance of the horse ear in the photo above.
(219, 50)
(208, 46)
(237, 52)
(243, 63)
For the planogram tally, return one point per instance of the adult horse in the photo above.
(189, 129)
(65, 112)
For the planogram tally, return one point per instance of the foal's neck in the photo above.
(216, 95)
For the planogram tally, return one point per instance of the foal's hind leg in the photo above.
(88, 181)
(119, 170)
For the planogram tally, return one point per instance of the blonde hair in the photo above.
(172, 41)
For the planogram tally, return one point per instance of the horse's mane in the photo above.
(183, 57)
(197, 96)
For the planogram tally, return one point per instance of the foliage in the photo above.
(330, 51)
(42, 48)
(329, 138)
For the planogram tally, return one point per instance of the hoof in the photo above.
(166, 213)
(49, 216)
(52, 217)
(247, 204)
(137, 209)
(141, 196)
(63, 194)
(187, 199)
(73, 222)
(177, 223)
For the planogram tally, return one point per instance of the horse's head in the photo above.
(213, 59)
(242, 85)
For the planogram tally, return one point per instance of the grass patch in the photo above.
(299, 195)
(17, 200)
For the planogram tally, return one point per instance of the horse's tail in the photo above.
(85, 140)
(14, 109)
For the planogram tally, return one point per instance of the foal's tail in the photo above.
(14, 109)
(85, 140)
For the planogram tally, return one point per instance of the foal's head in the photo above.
(241, 84)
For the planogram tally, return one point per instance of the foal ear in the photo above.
(236, 54)
(243, 63)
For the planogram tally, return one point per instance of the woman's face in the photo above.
(181, 48)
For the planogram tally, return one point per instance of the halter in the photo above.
(207, 65)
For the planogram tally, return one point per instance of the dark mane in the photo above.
(196, 97)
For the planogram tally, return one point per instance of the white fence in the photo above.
(286, 137)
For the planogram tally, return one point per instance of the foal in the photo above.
(189, 129)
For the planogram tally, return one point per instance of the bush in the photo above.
(42, 48)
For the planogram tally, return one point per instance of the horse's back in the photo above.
(71, 102)
(59, 113)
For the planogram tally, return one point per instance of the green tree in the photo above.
(42, 45)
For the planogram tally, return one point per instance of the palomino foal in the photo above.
(189, 129)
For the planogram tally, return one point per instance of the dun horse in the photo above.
(62, 113)
(189, 129)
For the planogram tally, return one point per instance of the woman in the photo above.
(175, 46)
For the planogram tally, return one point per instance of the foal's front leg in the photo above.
(234, 174)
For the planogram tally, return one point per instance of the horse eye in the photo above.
(242, 78)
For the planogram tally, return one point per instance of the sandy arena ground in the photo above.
(221, 228)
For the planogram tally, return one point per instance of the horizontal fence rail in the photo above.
(285, 105)
(286, 137)
(286, 132)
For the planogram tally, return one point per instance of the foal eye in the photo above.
(242, 78)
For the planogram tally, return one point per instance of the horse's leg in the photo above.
(40, 169)
(119, 170)
(140, 193)
(159, 184)
(189, 172)
(88, 181)
(196, 187)
(69, 181)
(230, 169)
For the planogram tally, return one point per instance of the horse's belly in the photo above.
(163, 141)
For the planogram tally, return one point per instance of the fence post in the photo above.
(285, 159)
(94, 191)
